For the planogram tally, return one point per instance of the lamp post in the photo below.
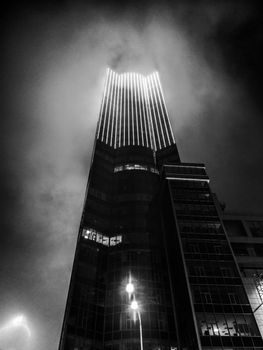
(135, 307)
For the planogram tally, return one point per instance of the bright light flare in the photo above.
(17, 322)
(130, 288)
(134, 305)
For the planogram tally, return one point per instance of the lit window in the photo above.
(135, 167)
(115, 240)
(98, 237)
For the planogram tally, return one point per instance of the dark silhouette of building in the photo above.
(151, 220)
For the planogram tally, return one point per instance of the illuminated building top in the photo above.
(133, 112)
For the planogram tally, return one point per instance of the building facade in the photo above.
(245, 233)
(151, 220)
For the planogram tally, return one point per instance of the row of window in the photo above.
(245, 250)
(219, 295)
(197, 227)
(93, 235)
(206, 247)
(135, 345)
(133, 258)
(195, 185)
(185, 170)
(140, 273)
(256, 228)
(129, 321)
(236, 228)
(251, 272)
(195, 208)
(135, 167)
(155, 298)
(215, 270)
(226, 325)
(186, 195)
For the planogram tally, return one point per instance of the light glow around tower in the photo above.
(18, 321)
(136, 101)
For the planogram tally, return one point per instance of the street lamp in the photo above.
(135, 307)
(130, 288)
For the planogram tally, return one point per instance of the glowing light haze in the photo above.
(15, 334)
(56, 60)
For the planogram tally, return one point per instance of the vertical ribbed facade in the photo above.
(133, 112)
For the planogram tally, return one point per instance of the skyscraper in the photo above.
(151, 221)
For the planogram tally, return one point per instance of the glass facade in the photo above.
(151, 220)
(246, 237)
(214, 295)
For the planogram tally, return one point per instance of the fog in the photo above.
(54, 77)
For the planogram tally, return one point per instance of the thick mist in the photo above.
(54, 76)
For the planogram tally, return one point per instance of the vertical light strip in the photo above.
(128, 107)
(110, 107)
(146, 124)
(120, 119)
(143, 135)
(103, 102)
(155, 130)
(167, 115)
(132, 110)
(136, 128)
(117, 111)
(107, 104)
(153, 141)
(136, 109)
(124, 108)
(157, 120)
(161, 107)
(113, 114)
(157, 109)
(149, 118)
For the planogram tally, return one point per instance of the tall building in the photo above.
(151, 221)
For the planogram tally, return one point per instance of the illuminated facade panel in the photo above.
(133, 112)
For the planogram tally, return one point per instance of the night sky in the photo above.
(55, 57)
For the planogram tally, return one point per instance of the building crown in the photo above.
(133, 112)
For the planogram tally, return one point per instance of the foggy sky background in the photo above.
(55, 60)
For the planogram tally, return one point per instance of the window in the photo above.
(233, 298)
(199, 270)
(206, 298)
(135, 167)
(226, 271)
(218, 249)
(259, 250)
(93, 235)
(128, 320)
(235, 228)
(193, 248)
(240, 250)
(225, 325)
(256, 228)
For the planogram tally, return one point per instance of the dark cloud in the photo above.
(56, 55)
